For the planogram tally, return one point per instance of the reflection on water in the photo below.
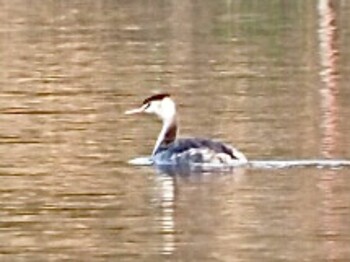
(329, 74)
(166, 191)
(331, 222)
(245, 72)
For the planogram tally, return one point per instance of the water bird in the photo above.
(168, 150)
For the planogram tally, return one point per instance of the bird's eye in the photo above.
(147, 105)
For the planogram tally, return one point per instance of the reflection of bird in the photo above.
(171, 151)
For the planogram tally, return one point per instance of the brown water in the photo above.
(271, 77)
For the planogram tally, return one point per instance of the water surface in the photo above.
(271, 78)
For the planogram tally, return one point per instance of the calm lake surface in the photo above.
(270, 77)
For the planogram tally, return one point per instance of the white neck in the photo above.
(166, 111)
(167, 135)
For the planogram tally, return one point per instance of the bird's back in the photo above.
(197, 150)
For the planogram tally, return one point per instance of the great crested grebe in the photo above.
(171, 151)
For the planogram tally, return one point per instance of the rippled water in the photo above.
(269, 77)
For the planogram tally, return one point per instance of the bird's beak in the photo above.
(135, 111)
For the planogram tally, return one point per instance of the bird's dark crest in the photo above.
(155, 98)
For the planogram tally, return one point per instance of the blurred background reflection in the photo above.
(269, 77)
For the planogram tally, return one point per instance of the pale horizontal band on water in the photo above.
(321, 163)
